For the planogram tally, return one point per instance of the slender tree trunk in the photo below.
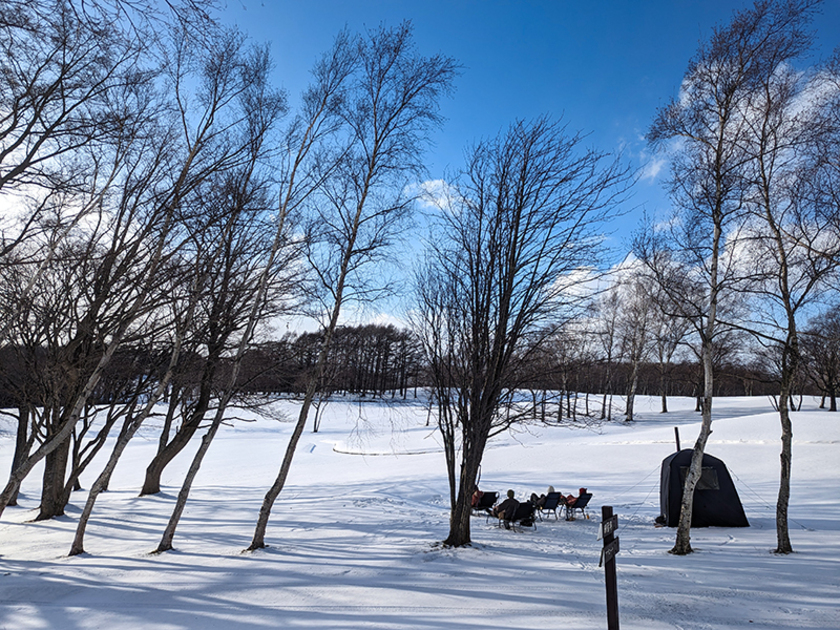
(258, 541)
(22, 445)
(542, 405)
(181, 502)
(790, 364)
(783, 544)
(663, 387)
(101, 485)
(631, 393)
(682, 545)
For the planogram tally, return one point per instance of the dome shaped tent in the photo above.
(716, 502)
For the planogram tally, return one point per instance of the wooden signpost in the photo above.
(609, 524)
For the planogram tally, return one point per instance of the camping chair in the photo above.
(524, 516)
(553, 500)
(486, 503)
(580, 504)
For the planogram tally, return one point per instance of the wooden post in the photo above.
(677, 434)
(609, 524)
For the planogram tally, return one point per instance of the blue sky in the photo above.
(603, 66)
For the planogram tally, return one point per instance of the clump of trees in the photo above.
(366, 360)
(754, 243)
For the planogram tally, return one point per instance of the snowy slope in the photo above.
(353, 536)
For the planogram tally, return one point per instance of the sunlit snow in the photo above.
(353, 537)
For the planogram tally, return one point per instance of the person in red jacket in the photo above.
(476, 497)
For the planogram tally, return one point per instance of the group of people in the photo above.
(568, 499)
(507, 507)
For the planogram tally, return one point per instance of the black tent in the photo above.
(716, 502)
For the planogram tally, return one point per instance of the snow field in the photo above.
(353, 537)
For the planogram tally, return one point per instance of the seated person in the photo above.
(506, 508)
(571, 499)
(476, 497)
(539, 501)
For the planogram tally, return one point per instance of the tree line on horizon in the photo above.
(386, 362)
(164, 204)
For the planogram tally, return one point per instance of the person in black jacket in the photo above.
(507, 508)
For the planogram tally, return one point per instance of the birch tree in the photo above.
(728, 113)
(390, 96)
(691, 257)
(794, 243)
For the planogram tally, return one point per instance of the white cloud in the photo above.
(433, 194)
(652, 167)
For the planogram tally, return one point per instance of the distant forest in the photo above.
(378, 361)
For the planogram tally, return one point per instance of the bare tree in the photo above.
(794, 243)
(634, 333)
(512, 244)
(821, 354)
(390, 102)
(78, 99)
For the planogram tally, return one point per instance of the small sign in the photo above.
(608, 552)
(608, 527)
(609, 523)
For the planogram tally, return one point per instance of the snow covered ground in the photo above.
(353, 536)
